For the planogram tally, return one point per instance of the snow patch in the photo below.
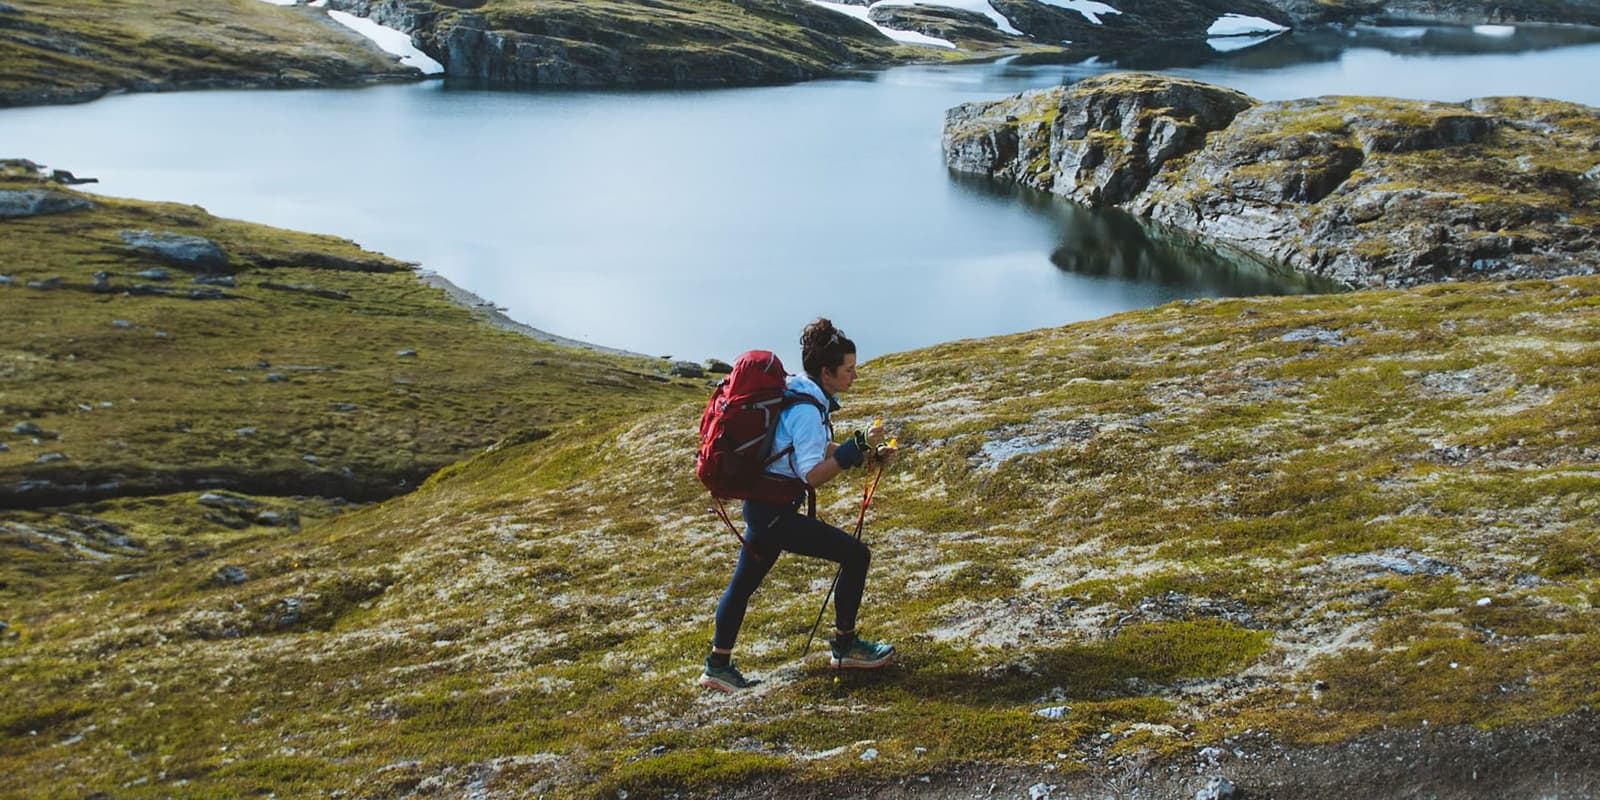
(977, 6)
(1241, 25)
(392, 41)
(1090, 9)
(1499, 31)
(1228, 44)
(904, 37)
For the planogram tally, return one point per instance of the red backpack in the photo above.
(736, 433)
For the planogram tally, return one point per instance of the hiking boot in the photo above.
(860, 654)
(725, 679)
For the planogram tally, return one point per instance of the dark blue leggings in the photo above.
(770, 530)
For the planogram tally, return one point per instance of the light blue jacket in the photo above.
(804, 426)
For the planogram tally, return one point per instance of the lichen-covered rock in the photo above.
(1097, 141)
(1363, 190)
(179, 250)
(16, 203)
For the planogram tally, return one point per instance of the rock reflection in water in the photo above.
(1115, 245)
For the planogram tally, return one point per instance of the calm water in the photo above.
(700, 223)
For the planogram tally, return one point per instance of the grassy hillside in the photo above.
(319, 371)
(1303, 517)
(65, 50)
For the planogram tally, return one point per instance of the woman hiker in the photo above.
(829, 358)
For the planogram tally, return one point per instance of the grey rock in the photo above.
(310, 459)
(52, 282)
(27, 429)
(121, 323)
(288, 612)
(717, 367)
(230, 575)
(1217, 788)
(276, 377)
(4, 447)
(66, 178)
(406, 353)
(208, 293)
(686, 369)
(18, 203)
(1318, 335)
(248, 430)
(279, 519)
(176, 249)
(154, 274)
(215, 280)
(102, 281)
(340, 405)
(227, 502)
(50, 458)
(7, 280)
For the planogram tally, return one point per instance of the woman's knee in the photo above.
(858, 555)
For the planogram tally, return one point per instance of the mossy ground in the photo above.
(1178, 523)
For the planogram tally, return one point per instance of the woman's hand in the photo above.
(875, 433)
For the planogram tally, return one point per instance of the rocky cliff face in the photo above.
(730, 42)
(1363, 190)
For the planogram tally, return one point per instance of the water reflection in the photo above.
(1324, 45)
(1115, 245)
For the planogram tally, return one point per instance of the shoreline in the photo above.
(492, 314)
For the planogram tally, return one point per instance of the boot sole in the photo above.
(712, 683)
(856, 663)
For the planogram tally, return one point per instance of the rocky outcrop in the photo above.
(1362, 190)
(195, 253)
(951, 24)
(735, 42)
(15, 203)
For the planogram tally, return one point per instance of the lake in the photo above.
(702, 223)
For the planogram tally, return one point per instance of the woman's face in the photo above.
(837, 380)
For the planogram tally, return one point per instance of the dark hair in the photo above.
(823, 346)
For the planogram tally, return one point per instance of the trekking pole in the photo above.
(861, 519)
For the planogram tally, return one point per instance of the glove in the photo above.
(853, 452)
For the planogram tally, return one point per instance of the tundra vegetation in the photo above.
(1161, 529)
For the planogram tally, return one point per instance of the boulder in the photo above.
(686, 369)
(716, 367)
(193, 253)
(17, 203)
(230, 575)
(227, 502)
(66, 178)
